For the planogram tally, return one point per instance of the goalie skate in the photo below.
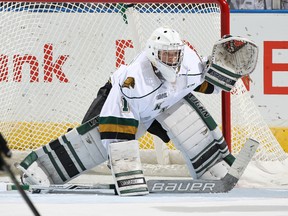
(30, 178)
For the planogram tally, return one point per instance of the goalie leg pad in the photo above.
(65, 158)
(195, 133)
(127, 169)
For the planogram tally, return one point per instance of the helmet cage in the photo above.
(169, 69)
(170, 55)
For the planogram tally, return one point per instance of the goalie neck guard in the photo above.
(165, 51)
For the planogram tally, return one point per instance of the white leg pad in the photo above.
(127, 169)
(194, 132)
(65, 158)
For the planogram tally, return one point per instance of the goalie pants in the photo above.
(96, 106)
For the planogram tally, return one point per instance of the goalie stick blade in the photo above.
(68, 188)
(243, 158)
(209, 186)
(105, 189)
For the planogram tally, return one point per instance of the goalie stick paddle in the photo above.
(223, 185)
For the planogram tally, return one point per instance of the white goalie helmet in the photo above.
(165, 51)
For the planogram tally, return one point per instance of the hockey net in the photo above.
(55, 56)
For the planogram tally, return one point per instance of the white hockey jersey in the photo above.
(138, 95)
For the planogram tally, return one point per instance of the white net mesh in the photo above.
(55, 56)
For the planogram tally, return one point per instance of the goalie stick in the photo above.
(223, 185)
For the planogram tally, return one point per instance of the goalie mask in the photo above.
(165, 51)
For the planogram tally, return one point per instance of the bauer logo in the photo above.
(181, 187)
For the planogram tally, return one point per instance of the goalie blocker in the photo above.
(127, 169)
(232, 58)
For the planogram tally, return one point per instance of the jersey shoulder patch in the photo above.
(129, 83)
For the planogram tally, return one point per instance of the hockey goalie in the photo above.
(153, 93)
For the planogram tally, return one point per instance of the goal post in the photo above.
(55, 56)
